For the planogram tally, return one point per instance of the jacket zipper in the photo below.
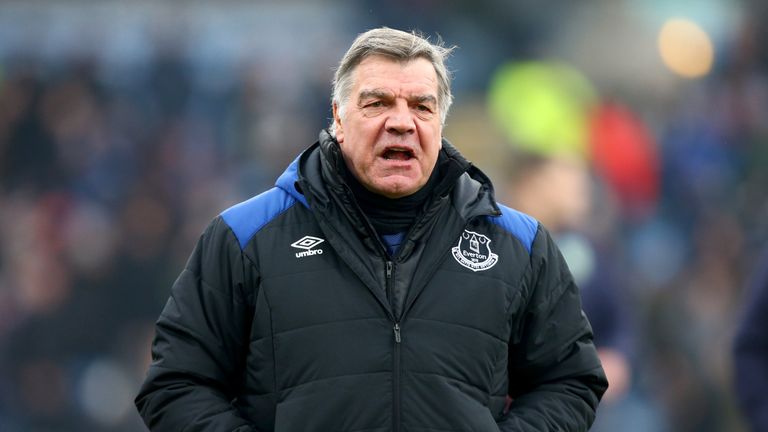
(396, 380)
(390, 266)
(396, 369)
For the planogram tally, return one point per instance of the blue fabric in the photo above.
(248, 217)
(393, 242)
(287, 180)
(518, 224)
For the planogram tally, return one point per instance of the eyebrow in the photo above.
(383, 94)
(425, 98)
(375, 93)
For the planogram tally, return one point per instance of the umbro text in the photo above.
(309, 252)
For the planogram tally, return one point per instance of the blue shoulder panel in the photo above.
(288, 178)
(518, 224)
(248, 217)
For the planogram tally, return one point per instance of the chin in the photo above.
(396, 187)
(397, 191)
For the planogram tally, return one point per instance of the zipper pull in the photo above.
(397, 333)
(389, 269)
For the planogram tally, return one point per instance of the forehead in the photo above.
(379, 72)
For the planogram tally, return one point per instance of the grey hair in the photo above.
(397, 45)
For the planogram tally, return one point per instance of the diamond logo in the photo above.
(307, 242)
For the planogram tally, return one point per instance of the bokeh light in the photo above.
(542, 106)
(624, 154)
(105, 392)
(686, 48)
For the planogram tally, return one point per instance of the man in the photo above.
(377, 287)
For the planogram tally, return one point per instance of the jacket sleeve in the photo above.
(555, 376)
(200, 344)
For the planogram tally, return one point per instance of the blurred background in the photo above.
(635, 130)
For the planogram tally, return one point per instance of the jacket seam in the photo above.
(194, 421)
(218, 291)
(475, 386)
(294, 387)
(272, 341)
(242, 249)
(528, 273)
(487, 333)
(221, 386)
(524, 295)
(320, 270)
(282, 332)
(556, 295)
(479, 274)
(490, 218)
(267, 222)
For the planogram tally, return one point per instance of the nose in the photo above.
(400, 119)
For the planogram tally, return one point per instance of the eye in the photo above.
(423, 108)
(373, 107)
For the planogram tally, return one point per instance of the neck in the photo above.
(390, 215)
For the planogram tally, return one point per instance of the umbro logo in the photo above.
(307, 243)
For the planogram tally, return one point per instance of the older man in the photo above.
(377, 287)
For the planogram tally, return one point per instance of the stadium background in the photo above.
(126, 126)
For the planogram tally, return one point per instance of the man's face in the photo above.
(390, 134)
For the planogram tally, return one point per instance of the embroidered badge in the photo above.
(474, 252)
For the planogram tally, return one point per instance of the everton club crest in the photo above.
(474, 251)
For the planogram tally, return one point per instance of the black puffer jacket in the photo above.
(291, 317)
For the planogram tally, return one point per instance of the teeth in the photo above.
(395, 153)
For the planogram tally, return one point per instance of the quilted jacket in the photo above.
(290, 316)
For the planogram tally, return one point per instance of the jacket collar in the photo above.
(312, 176)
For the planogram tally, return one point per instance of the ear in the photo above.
(337, 123)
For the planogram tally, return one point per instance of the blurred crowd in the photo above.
(121, 140)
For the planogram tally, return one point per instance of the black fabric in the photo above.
(396, 215)
(268, 336)
(390, 215)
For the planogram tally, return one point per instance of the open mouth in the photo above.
(400, 154)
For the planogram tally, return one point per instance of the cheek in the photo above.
(359, 158)
(431, 134)
(435, 144)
